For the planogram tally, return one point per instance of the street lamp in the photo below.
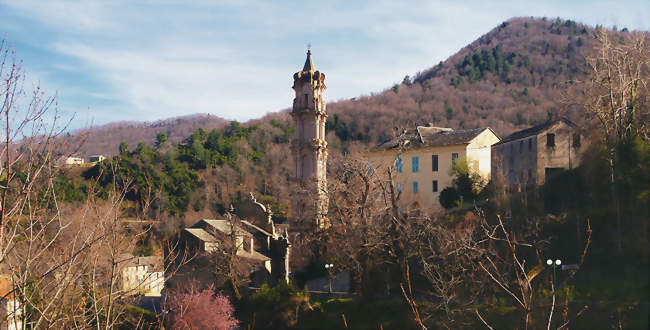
(555, 264)
(330, 269)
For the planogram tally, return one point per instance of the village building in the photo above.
(423, 159)
(261, 246)
(74, 161)
(309, 148)
(142, 275)
(96, 158)
(11, 310)
(531, 156)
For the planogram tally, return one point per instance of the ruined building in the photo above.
(531, 156)
(309, 148)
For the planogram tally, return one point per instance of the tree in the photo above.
(161, 140)
(124, 148)
(617, 98)
(200, 309)
(466, 186)
(63, 262)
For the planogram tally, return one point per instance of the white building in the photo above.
(142, 275)
(74, 161)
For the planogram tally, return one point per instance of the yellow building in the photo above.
(423, 159)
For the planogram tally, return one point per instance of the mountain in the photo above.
(105, 139)
(512, 77)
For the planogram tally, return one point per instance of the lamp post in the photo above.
(330, 269)
(555, 264)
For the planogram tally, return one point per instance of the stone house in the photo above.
(423, 159)
(531, 156)
(142, 275)
(261, 245)
(74, 161)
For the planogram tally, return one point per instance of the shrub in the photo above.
(200, 309)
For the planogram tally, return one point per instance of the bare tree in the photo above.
(617, 98)
(64, 262)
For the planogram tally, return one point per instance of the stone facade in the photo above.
(308, 146)
(530, 156)
(142, 275)
(262, 246)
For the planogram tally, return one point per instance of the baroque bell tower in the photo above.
(308, 147)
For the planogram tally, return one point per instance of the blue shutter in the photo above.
(415, 163)
(415, 186)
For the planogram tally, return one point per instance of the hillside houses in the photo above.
(261, 248)
(423, 158)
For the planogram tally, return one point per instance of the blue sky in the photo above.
(147, 60)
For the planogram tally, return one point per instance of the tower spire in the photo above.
(309, 63)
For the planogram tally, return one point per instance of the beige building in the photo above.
(142, 275)
(530, 156)
(423, 159)
(74, 161)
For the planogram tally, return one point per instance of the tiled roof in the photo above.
(424, 136)
(254, 255)
(201, 234)
(535, 130)
(254, 227)
(223, 226)
(130, 260)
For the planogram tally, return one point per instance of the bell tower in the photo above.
(308, 146)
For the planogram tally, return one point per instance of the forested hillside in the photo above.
(105, 139)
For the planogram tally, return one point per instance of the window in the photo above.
(434, 163)
(530, 144)
(415, 164)
(521, 146)
(550, 140)
(576, 140)
(435, 185)
(398, 164)
(550, 172)
(454, 159)
(415, 186)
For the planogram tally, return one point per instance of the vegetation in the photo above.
(471, 267)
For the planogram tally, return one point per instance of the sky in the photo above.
(148, 60)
